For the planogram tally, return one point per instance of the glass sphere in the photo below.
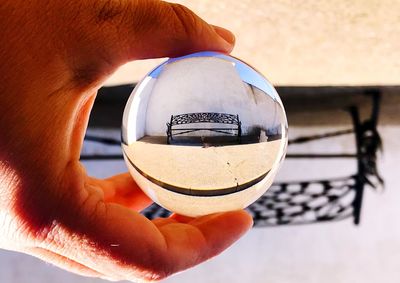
(204, 133)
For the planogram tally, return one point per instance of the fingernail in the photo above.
(225, 34)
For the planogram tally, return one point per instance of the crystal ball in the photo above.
(204, 133)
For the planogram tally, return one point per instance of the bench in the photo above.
(204, 117)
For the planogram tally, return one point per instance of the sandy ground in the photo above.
(202, 168)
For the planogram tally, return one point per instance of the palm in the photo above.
(51, 208)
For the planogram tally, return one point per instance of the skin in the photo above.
(54, 57)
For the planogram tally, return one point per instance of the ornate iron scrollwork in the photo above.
(203, 117)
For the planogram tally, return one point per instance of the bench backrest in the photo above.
(204, 117)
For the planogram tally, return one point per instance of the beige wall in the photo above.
(305, 42)
(180, 91)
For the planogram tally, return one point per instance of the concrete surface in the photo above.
(334, 252)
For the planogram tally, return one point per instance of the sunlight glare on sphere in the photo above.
(204, 133)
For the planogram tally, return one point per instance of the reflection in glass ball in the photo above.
(204, 133)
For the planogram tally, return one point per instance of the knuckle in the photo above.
(109, 10)
(185, 22)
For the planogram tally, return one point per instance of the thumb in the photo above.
(166, 30)
(124, 30)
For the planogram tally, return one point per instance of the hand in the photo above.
(54, 57)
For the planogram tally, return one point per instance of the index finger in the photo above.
(204, 237)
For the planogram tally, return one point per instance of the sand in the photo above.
(203, 168)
